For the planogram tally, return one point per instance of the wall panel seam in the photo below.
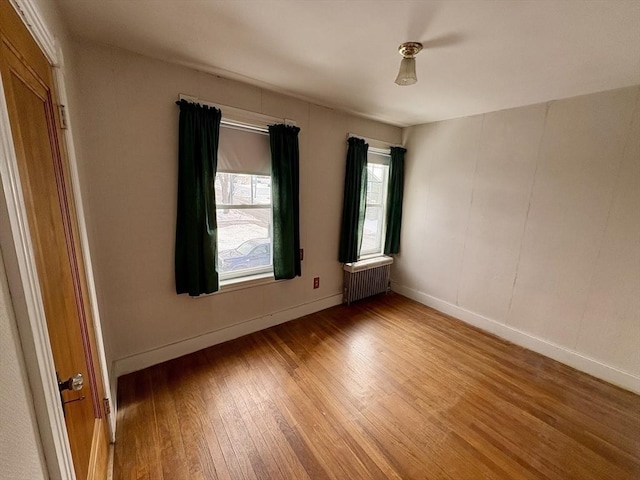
(526, 219)
(473, 190)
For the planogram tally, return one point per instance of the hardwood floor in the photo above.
(384, 389)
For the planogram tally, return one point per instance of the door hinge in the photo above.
(107, 407)
(62, 111)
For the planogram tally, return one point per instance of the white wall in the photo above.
(21, 454)
(526, 222)
(126, 137)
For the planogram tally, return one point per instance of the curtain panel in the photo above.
(196, 255)
(285, 192)
(394, 200)
(354, 201)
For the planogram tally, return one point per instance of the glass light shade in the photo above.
(407, 73)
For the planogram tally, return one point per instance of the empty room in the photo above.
(328, 239)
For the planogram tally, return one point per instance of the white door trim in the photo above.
(32, 18)
(17, 249)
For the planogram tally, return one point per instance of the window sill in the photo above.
(365, 263)
(241, 283)
(246, 282)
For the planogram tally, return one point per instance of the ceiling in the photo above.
(479, 56)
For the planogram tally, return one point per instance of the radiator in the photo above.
(365, 278)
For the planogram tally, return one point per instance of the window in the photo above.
(376, 207)
(243, 202)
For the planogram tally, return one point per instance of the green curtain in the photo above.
(285, 192)
(394, 200)
(354, 201)
(196, 260)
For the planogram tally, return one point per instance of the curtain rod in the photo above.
(373, 142)
(238, 113)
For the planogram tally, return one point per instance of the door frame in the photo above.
(18, 253)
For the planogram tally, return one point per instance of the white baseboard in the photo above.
(539, 345)
(113, 390)
(146, 359)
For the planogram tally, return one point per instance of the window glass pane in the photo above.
(374, 221)
(242, 189)
(244, 239)
(243, 203)
(372, 234)
(376, 175)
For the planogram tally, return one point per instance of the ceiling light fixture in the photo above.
(407, 73)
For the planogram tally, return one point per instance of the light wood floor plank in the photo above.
(384, 389)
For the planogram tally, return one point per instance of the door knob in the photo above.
(74, 383)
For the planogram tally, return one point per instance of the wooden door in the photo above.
(28, 89)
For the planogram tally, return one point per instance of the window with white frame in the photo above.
(243, 202)
(374, 228)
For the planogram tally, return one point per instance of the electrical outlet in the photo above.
(316, 282)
